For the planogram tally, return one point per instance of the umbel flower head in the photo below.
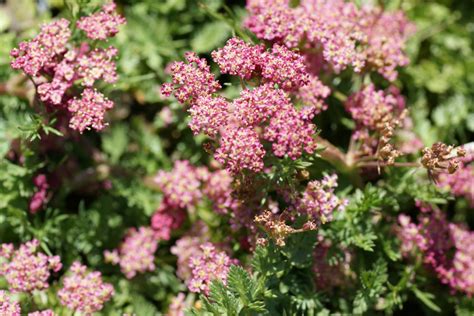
(25, 269)
(211, 264)
(446, 248)
(84, 291)
(8, 306)
(137, 252)
(262, 113)
(61, 69)
(342, 33)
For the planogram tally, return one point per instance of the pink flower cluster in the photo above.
(461, 182)
(181, 186)
(187, 246)
(263, 113)
(185, 185)
(39, 198)
(166, 219)
(26, 269)
(371, 108)
(446, 248)
(103, 24)
(178, 306)
(56, 67)
(191, 80)
(84, 291)
(279, 66)
(342, 33)
(137, 252)
(8, 306)
(210, 265)
(89, 111)
(319, 200)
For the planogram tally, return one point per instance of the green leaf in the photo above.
(427, 299)
(210, 37)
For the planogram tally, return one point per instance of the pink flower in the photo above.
(56, 66)
(319, 200)
(435, 240)
(180, 186)
(284, 67)
(137, 252)
(39, 198)
(370, 107)
(347, 35)
(178, 306)
(84, 291)
(166, 219)
(26, 269)
(460, 183)
(191, 80)
(187, 246)
(8, 306)
(208, 115)
(238, 58)
(89, 111)
(313, 93)
(258, 105)
(240, 149)
(218, 188)
(291, 132)
(103, 24)
(211, 264)
(97, 64)
(38, 54)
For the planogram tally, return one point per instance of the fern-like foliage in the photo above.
(243, 295)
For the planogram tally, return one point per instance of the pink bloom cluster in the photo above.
(166, 219)
(461, 182)
(313, 93)
(319, 200)
(240, 148)
(447, 248)
(8, 306)
(191, 80)
(103, 24)
(187, 246)
(342, 33)
(40, 196)
(279, 66)
(262, 113)
(26, 269)
(210, 265)
(185, 185)
(178, 306)
(181, 186)
(84, 291)
(370, 108)
(89, 111)
(137, 252)
(41, 52)
(56, 67)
